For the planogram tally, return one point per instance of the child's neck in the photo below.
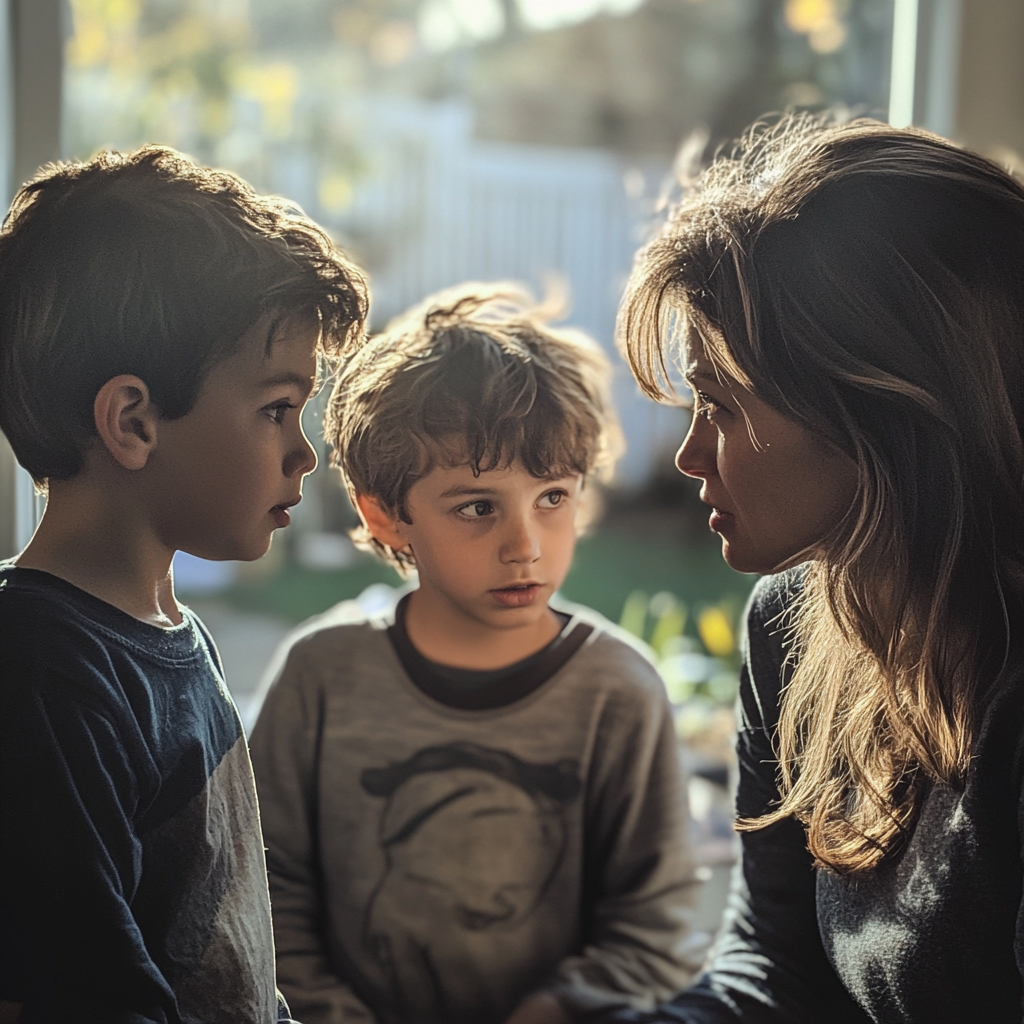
(103, 548)
(443, 634)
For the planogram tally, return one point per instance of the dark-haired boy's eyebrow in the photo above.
(285, 379)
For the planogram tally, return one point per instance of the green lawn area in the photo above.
(609, 566)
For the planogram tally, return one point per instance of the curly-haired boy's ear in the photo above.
(126, 420)
(383, 526)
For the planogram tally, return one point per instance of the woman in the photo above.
(848, 303)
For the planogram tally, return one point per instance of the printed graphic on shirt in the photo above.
(472, 838)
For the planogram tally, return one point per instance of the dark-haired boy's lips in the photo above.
(281, 514)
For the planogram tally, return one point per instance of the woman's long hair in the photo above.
(868, 283)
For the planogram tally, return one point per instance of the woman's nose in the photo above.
(696, 454)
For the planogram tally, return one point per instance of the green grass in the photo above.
(608, 567)
(295, 593)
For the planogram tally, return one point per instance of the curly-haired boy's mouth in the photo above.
(517, 594)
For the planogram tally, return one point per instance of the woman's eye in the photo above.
(704, 405)
(552, 499)
(476, 510)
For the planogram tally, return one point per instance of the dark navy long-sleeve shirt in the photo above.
(132, 879)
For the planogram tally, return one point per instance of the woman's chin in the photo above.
(757, 562)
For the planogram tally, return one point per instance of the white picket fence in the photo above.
(437, 207)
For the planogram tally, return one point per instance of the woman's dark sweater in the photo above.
(934, 935)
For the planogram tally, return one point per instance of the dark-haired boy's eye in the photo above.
(552, 499)
(277, 411)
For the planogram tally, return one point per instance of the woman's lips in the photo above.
(517, 595)
(719, 520)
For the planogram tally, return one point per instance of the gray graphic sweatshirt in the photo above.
(438, 852)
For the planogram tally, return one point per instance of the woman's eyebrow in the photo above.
(705, 375)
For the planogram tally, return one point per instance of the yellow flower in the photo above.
(716, 632)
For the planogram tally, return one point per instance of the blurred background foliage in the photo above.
(443, 140)
(375, 114)
(230, 81)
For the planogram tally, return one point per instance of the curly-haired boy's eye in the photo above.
(476, 510)
(552, 499)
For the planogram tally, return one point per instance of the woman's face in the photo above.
(775, 488)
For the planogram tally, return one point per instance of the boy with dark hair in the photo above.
(472, 806)
(160, 330)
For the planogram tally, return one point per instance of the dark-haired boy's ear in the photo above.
(126, 420)
(382, 525)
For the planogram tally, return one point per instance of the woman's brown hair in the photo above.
(868, 283)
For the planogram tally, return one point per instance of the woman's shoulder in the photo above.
(768, 659)
(772, 597)
(1001, 725)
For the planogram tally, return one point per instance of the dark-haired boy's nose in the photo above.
(302, 459)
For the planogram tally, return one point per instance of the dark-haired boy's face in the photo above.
(492, 547)
(225, 474)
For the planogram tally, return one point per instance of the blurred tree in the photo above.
(210, 75)
(199, 75)
(641, 82)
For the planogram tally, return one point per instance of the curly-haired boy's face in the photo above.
(492, 547)
(227, 471)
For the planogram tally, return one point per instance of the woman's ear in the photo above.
(126, 420)
(382, 524)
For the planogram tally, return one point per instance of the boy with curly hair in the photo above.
(472, 805)
(160, 330)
